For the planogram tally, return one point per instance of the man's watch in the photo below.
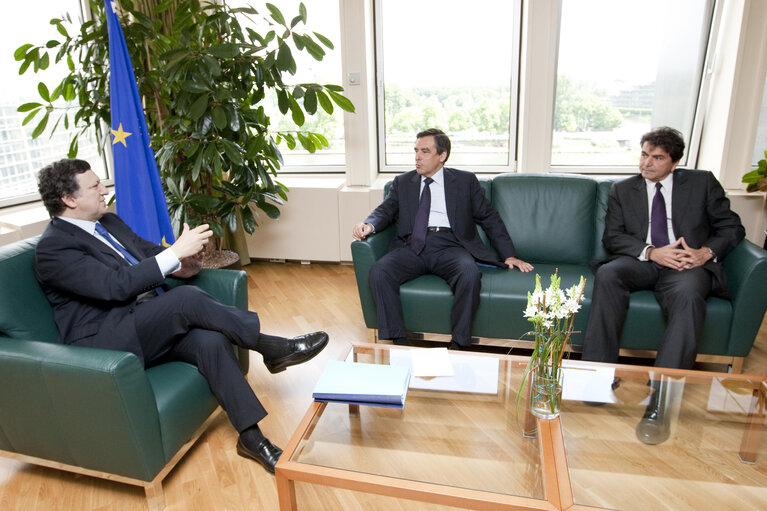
(713, 255)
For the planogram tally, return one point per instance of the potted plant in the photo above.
(204, 79)
(552, 313)
(757, 181)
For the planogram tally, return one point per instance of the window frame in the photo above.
(516, 48)
(706, 73)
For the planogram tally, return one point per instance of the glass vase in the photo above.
(545, 395)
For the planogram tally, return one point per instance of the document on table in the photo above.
(471, 373)
(588, 383)
(429, 362)
(363, 384)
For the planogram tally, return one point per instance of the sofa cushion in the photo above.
(24, 310)
(550, 217)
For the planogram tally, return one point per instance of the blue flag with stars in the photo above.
(138, 189)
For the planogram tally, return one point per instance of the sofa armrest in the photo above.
(746, 268)
(229, 287)
(364, 254)
(87, 407)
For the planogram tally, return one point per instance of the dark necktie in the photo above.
(418, 238)
(659, 225)
(105, 234)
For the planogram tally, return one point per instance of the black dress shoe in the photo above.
(654, 427)
(401, 341)
(458, 347)
(266, 453)
(302, 348)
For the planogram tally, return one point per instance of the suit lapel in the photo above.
(679, 197)
(97, 245)
(450, 194)
(116, 229)
(639, 202)
(412, 196)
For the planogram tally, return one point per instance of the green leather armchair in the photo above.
(556, 222)
(93, 411)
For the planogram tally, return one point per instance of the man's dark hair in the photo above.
(669, 139)
(441, 141)
(58, 180)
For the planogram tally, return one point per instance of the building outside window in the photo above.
(623, 69)
(452, 65)
(21, 156)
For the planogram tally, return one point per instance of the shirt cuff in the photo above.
(643, 255)
(168, 262)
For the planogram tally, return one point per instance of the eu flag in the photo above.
(138, 189)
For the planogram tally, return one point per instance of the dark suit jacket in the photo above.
(700, 213)
(92, 289)
(466, 206)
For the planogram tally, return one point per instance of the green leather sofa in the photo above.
(94, 411)
(556, 222)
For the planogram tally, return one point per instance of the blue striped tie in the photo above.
(105, 234)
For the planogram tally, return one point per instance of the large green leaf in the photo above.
(341, 101)
(296, 113)
(41, 125)
(224, 51)
(219, 118)
(284, 57)
(276, 14)
(325, 102)
(42, 89)
(26, 107)
(324, 40)
(310, 101)
(199, 107)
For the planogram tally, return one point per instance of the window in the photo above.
(323, 17)
(21, 156)
(760, 145)
(451, 65)
(623, 70)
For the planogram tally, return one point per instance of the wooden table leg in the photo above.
(749, 445)
(286, 493)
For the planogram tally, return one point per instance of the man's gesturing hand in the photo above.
(191, 241)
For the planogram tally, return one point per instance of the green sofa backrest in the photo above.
(24, 310)
(551, 218)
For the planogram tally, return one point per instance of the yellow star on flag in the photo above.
(120, 135)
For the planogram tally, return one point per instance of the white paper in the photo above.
(588, 383)
(474, 374)
(429, 362)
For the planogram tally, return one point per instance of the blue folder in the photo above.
(363, 384)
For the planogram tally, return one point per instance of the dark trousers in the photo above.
(443, 256)
(681, 295)
(187, 324)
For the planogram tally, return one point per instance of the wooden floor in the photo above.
(290, 298)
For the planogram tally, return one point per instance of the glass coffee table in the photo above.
(462, 441)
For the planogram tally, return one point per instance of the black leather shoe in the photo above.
(458, 347)
(400, 341)
(302, 348)
(266, 453)
(654, 427)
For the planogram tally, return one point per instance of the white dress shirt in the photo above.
(667, 185)
(166, 260)
(438, 210)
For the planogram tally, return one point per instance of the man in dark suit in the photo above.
(668, 230)
(442, 239)
(107, 289)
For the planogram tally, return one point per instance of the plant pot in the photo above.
(545, 395)
(223, 259)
